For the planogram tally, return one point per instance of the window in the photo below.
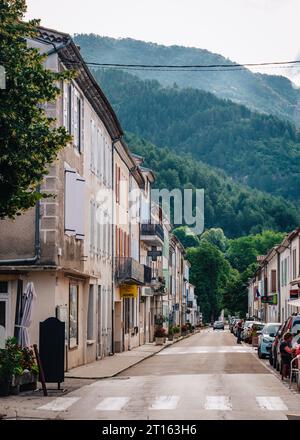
(90, 315)
(92, 226)
(73, 315)
(73, 114)
(294, 263)
(118, 179)
(127, 314)
(99, 227)
(67, 106)
(74, 204)
(273, 281)
(99, 152)
(93, 151)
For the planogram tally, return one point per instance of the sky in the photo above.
(246, 31)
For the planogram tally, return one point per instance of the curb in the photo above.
(136, 363)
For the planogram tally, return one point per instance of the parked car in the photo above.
(273, 353)
(292, 325)
(218, 325)
(266, 338)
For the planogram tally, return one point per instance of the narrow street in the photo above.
(204, 377)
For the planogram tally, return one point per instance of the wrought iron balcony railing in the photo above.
(152, 232)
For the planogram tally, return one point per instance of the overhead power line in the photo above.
(190, 68)
(197, 66)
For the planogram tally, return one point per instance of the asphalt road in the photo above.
(204, 377)
(207, 376)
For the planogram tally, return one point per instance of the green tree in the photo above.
(215, 236)
(210, 273)
(29, 140)
(186, 236)
(243, 251)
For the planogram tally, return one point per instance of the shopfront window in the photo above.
(73, 316)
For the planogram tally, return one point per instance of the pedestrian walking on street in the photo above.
(239, 331)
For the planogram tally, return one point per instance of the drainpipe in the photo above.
(37, 244)
(113, 249)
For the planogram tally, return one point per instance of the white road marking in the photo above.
(112, 404)
(205, 349)
(271, 403)
(220, 403)
(165, 402)
(60, 404)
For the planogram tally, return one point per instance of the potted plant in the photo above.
(176, 331)
(160, 335)
(18, 369)
(171, 333)
(254, 336)
(184, 329)
(9, 366)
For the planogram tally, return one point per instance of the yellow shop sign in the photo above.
(129, 291)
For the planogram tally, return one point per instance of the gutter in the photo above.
(37, 245)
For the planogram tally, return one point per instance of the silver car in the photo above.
(218, 325)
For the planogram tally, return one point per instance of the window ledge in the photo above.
(90, 341)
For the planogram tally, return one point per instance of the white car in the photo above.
(218, 325)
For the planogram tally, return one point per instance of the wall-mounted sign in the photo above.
(129, 291)
(294, 293)
(270, 299)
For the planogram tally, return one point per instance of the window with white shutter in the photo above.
(74, 204)
(102, 155)
(99, 136)
(92, 226)
(66, 105)
(98, 235)
(93, 141)
(80, 200)
(70, 202)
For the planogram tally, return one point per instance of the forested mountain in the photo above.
(261, 151)
(236, 209)
(265, 93)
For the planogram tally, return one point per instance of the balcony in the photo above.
(152, 234)
(129, 271)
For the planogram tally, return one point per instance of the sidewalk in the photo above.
(113, 365)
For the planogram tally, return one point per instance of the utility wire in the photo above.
(199, 66)
(190, 68)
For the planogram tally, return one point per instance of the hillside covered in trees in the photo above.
(264, 93)
(235, 208)
(258, 150)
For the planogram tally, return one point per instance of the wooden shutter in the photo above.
(273, 281)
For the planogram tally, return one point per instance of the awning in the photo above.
(295, 303)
